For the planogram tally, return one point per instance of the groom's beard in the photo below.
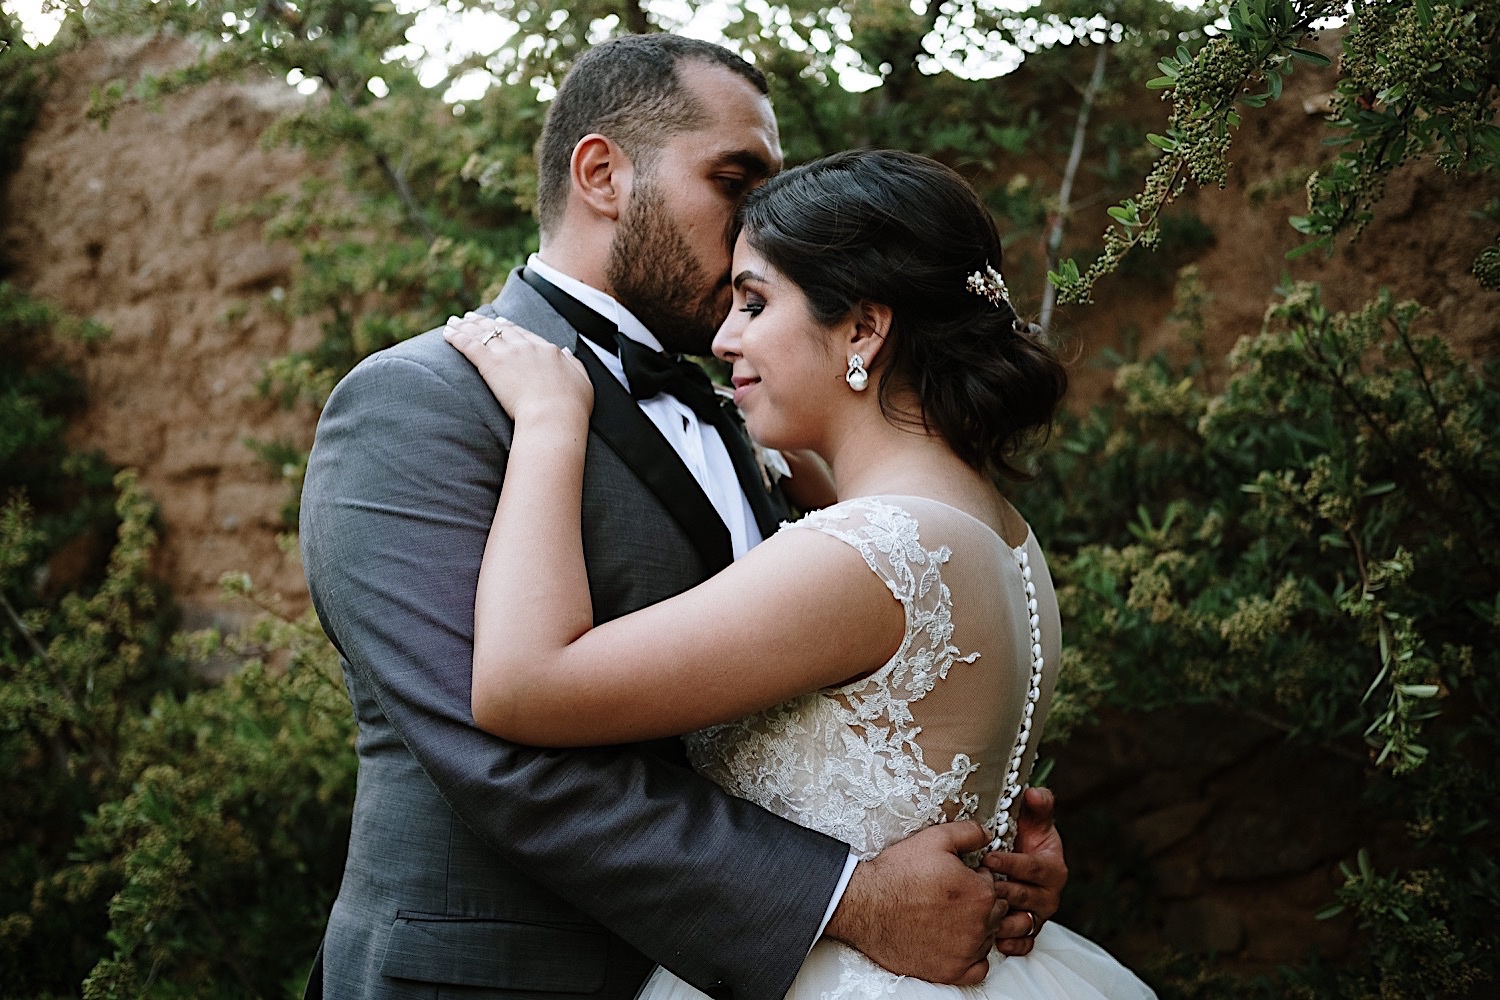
(653, 274)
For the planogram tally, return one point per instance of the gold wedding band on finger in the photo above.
(1035, 924)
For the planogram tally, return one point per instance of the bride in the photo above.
(883, 664)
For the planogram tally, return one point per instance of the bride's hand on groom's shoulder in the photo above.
(1035, 872)
(918, 910)
(531, 377)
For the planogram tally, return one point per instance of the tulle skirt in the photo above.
(1062, 966)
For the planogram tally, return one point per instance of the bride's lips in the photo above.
(741, 386)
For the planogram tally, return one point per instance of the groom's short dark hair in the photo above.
(626, 88)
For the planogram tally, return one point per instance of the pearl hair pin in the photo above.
(989, 284)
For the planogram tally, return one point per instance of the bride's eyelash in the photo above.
(753, 306)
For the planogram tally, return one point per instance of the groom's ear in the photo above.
(602, 175)
(871, 324)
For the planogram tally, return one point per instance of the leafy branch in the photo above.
(1414, 78)
(1262, 42)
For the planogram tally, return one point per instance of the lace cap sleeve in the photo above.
(887, 537)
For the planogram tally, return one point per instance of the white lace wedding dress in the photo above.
(946, 730)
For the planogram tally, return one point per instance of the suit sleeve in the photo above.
(401, 486)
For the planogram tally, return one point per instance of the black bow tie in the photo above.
(648, 372)
(651, 372)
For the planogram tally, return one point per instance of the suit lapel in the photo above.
(769, 509)
(619, 422)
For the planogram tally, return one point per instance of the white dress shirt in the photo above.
(698, 444)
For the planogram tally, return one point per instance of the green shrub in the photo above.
(229, 843)
(73, 677)
(1309, 543)
(39, 391)
(161, 836)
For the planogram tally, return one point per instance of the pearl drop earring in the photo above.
(857, 377)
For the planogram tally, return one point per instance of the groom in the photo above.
(479, 868)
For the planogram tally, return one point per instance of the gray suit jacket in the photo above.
(477, 867)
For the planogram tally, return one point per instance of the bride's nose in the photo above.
(726, 346)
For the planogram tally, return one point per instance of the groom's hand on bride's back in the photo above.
(918, 910)
(1035, 872)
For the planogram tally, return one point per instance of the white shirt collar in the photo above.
(602, 303)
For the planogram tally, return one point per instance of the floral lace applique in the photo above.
(846, 761)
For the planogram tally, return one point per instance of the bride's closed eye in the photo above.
(754, 304)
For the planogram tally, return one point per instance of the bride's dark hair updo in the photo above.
(904, 231)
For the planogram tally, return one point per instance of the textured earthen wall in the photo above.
(118, 224)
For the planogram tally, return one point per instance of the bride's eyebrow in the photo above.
(747, 275)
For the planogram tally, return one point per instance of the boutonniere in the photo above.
(772, 463)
